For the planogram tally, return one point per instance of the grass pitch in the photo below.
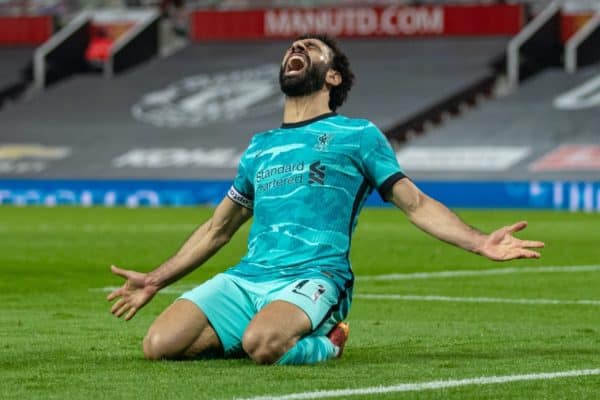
(59, 340)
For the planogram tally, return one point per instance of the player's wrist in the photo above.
(152, 283)
(478, 246)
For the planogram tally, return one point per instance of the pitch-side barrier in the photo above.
(550, 195)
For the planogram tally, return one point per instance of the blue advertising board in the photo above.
(560, 195)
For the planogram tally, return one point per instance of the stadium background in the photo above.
(152, 104)
(139, 104)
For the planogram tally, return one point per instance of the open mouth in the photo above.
(296, 64)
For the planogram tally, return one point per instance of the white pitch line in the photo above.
(424, 275)
(475, 299)
(432, 385)
(167, 290)
(485, 272)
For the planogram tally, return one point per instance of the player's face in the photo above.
(304, 67)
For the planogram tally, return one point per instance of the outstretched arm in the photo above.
(436, 219)
(139, 288)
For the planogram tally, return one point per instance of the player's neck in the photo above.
(298, 109)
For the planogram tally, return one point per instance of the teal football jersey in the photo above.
(306, 183)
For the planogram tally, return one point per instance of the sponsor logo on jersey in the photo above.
(202, 99)
(289, 174)
(317, 173)
(278, 176)
(266, 173)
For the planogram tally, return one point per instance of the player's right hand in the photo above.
(134, 294)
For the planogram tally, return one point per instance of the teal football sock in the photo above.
(310, 350)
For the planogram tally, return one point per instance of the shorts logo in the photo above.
(320, 290)
(317, 173)
(306, 291)
(299, 286)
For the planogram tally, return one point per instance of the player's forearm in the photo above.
(437, 220)
(200, 246)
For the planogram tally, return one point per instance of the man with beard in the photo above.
(305, 184)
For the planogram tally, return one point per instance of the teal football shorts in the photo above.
(230, 302)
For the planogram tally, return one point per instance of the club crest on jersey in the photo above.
(323, 142)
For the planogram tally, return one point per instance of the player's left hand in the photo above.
(501, 245)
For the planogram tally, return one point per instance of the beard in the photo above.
(304, 84)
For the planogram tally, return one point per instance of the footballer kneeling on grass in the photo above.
(304, 184)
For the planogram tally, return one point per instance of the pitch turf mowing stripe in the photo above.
(432, 385)
(98, 228)
(138, 227)
(495, 271)
(474, 299)
(176, 289)
(371, 296)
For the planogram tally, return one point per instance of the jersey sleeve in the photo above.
(379, 160)
(242, 189)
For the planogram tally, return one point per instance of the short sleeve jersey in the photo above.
(306, 183)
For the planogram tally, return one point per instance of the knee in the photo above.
(264, 346)
(155, 346)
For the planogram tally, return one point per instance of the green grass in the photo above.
(59, 340)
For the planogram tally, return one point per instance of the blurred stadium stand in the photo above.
(526, 124)
(66, 7)
(13, 76)
(163, 104)
(172, 127)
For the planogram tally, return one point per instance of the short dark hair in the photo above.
(340, 63)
